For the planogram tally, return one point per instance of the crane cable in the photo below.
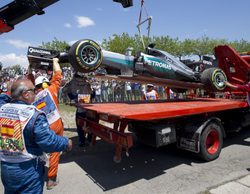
(142, 3)
(149, 19)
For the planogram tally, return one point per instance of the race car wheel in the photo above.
(211, 141)
(85, 56)
(213, 79)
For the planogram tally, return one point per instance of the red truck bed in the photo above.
(121, 113)
(161, 110)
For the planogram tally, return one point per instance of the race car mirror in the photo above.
(125, 3)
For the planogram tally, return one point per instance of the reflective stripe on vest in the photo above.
(44, 101)
(13, 119)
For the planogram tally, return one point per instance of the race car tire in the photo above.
(85, 56)
(211, 141)
(213, 79)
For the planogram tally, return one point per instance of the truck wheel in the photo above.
(85, 56)
(211, 142)
(213, 79)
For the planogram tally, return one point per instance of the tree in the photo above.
(17, 69)
(166, 43)
(203, 46)
(240, 46)
(57, 45)
(118, 43)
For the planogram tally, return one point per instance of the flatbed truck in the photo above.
(197, 125)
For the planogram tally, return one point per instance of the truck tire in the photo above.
(85, 56)
(213, 79)
(211, 141)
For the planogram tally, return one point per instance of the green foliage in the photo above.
(17, 69)
(202, 46)
(55, 45)
(166, 43)
(119, 43)
(67, 108)
(240, 46)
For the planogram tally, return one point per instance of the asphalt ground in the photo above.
(150, 170)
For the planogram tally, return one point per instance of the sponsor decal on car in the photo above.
(159, 64)
(40, 51)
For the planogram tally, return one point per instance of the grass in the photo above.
(66, 108)
(68, 116)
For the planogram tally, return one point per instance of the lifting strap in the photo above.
(148, 19)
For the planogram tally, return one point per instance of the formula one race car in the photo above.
(152, 66)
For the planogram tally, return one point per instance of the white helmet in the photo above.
(150, 85)
(40, 80)
(4, 87)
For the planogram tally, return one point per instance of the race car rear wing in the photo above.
(40, 58)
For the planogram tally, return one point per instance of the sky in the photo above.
(71, 20)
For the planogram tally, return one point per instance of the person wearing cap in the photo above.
(47, 100)
(5, 93)
(5, 88)
(150, 93)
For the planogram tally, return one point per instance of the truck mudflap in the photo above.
(190, 139)
(115, 135)
(189, 144)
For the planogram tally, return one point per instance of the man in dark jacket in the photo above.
(79, 91)
(25, 135)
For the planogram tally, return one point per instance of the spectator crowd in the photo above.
(103, 90)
